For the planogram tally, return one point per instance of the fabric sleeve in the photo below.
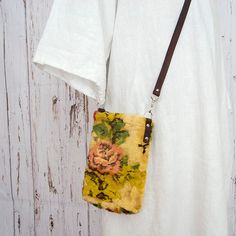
(76, 42)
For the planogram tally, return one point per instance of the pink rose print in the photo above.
(105, 157)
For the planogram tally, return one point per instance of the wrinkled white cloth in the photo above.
(190, 163)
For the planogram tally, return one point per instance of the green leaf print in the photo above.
(103, 196)
(120, 136)
(124, 161)
(97, 205)
(135, 166)
(126, 211)
(101, 130)
(117, 124)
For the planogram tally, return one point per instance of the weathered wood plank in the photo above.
(16, 74)
(6, 203)
(58, 143)
(95, 214)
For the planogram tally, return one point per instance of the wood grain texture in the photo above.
(6, 198)
(18, 113)
(46, 126)
(58, 124)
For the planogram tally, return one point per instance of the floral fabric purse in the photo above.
(116, 164)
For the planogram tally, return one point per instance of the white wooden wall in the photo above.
(43, 123)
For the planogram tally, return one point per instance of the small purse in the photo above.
(116, 164)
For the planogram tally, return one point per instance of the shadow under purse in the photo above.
(116, 164)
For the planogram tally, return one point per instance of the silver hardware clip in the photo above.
(148, 113)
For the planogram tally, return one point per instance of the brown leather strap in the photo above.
(171, 49)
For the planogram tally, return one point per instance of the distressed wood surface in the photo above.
(18, 116)
(43, 125)
(6, 198)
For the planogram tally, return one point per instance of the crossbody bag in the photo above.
(118, 153)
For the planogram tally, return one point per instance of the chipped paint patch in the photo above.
(50, 182)
(51, 223)
(73, 119)
(55, 107)
(18, 174)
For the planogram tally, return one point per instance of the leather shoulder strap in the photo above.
(171, 49)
